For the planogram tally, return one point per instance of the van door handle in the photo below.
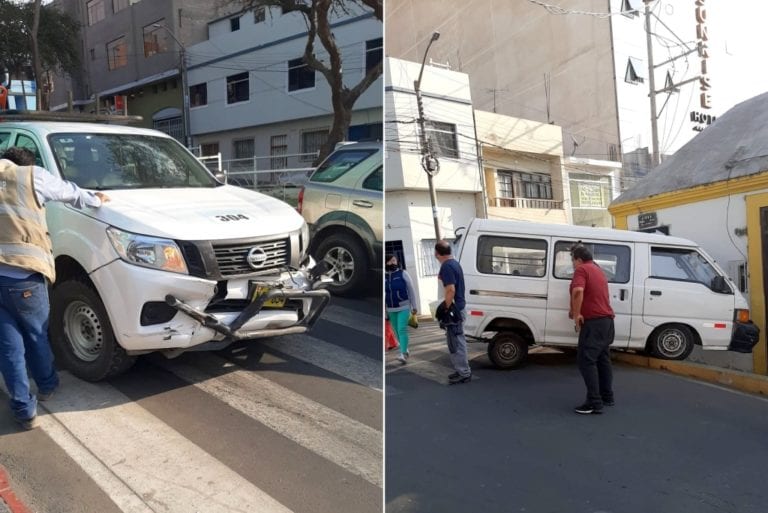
(655, 292)
(362, 204)
(622, 294)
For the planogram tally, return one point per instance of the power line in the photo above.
(557, 10)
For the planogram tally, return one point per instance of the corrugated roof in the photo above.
(735, 145)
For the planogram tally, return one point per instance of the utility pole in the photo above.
(184, 85)
(429, 161)
(652, 85)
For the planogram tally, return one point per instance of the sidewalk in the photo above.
(9, 502)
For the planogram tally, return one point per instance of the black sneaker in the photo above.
(29, 424)
(453, 376)
(459, 379)
(610, 402)
(587, 409)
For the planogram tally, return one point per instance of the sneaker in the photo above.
(29, 423)
(587, 409)
(402, 358)
(459, 379)
(453, 376)
(609, 402)
(44, 396)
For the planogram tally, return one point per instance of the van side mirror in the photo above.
(720, 285)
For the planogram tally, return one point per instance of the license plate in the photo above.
(258, 291)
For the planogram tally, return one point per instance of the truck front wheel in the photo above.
(81, 334)
(507, 350)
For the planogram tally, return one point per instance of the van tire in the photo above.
(671, 342)
(81, 334)
(507, 350)
(337, 249)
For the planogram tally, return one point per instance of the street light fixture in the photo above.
(429, 161)
(184, 86)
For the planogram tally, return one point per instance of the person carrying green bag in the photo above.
(400, 302)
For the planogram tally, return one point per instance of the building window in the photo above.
(590, 191)
(171, 126)
(119, 5)
(395, 247)
(117, 53)
(198, 95)
(512, 256)
(278, 145)
(209, 149)
(311, 142)
(367, 132)
(155, 38)
(237, 88)
(514, 185)
(442, 137)
(427, 261)
(260, 14)
(635, 73)
(300, 76)
(95, 11)
(373, 53)
(234, 24)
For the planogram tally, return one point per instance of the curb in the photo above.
(8, 497)
(743, 381)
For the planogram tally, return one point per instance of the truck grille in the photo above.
(232, 259)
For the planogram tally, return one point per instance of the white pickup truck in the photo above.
(176, 260)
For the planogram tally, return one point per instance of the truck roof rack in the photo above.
(39, 115)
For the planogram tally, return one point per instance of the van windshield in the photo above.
(127, 161)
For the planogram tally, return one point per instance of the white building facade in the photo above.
(251, 95)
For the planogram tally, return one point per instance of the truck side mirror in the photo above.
(720, 285)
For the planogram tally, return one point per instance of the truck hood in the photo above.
(220, 213)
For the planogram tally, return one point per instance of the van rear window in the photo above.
(512, 256)
(338, 164)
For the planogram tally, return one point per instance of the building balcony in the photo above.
(528, 209)
(527, 203)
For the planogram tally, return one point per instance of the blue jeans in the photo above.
(24, 342)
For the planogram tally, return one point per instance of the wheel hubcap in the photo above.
(342, 265)
(84, 331)
(672, 342)
(508, 351)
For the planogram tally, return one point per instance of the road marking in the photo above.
(425, 369)
(349, 318)
(349, 364)
(156, 464)
(326, 432)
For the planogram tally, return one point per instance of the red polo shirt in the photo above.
(591, 278)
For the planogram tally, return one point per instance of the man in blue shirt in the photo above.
(26, 268)
(451, 277)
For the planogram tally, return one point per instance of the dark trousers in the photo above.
(594, 359)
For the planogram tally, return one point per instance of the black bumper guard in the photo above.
(320, 299)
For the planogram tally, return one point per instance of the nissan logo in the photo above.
(256, 258)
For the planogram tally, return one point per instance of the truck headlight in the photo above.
(146, 251)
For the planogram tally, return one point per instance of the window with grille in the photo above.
(311, 142)
(155, 38)
(278, 145)
(427, 261)
(259, 15)
(237, 88)
(374, 51)
(395, 247)
(243, 149)
(525, 185)
(117, 53)
(442, 137)
(300, 76)
(234, 24)
(209, 149)
(590, 191)
(95, 10)
(198, 95)
(171, 126)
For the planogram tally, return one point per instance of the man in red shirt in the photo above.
(592, 313)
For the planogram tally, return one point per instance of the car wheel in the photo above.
(348, 263)
(507, 350)
(672, 342)
(81, 334)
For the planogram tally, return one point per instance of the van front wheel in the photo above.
(507, 350)
(671, 342)
(81, 334)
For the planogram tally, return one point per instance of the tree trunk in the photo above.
(38, 70)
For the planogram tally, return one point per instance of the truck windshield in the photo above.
(127, 161)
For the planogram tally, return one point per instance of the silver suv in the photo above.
(342, 203)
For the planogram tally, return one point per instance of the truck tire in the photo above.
(348, 261)
(507, 350)
(81, 334)
(671, 342)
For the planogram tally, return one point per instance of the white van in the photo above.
(667, 293)
(176, 261)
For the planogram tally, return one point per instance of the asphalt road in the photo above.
(289, 424)
(508, 441)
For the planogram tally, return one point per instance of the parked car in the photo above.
(175, 261)
(667, 293)
(342, 202)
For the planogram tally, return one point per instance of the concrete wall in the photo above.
(509, 46)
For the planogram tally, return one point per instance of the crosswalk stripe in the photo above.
(165, 470)
(330, 434)
(349, 364)
(366, 323)
(425, 369)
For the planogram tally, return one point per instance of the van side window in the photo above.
(512, 256)
(614, 259)
(681, 264)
